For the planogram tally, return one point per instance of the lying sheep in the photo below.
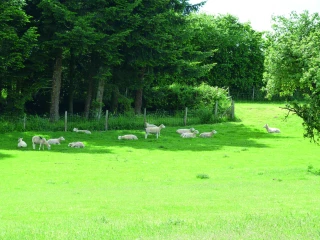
(55, 141)
(76, 145)
(180, 131)
(271, 130)
(153, 130)
(40, 140)
(21, 143)
(190, 135)
(208, 134)
(81, 131)
(128, 137)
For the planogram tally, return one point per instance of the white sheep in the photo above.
(76, 145)
(271, 130)
(128, 137)
(208, 134)
(55, 141)
(180, 131)
(21, 143)
(40, 140)
(81, 131)
(149, 125)
(190, 135)
(153, 130)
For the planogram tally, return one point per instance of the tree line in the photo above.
(97, 53)
(85, 56)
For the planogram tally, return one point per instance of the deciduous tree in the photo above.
(292, 66)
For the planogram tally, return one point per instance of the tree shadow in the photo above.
(3, 156)
(233, 134)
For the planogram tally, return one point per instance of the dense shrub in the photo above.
(178, 96)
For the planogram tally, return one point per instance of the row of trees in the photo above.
(92, 53)
(82, 55)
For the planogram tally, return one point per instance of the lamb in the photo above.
(81, 131)
(271, 130)
(208, 134)
(180, 131)
(55, 140)
(153, 130)
(76, 145)
(128, 137)
(40, 140)
(21, 143)
(190, 135)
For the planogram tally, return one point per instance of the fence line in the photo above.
(117, 121)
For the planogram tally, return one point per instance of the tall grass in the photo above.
(114, 121)
(241, 184)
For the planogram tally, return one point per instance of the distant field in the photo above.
(241, 184)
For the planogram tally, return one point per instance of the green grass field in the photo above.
(241, 184)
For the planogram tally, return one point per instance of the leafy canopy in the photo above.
(292, 66)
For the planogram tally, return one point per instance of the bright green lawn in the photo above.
(259, 186)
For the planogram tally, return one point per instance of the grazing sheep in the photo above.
(128, 137)
(21, 143)
(81, 131)
(40, 140)
(55, 140)
(76, 145)
(271, 130)
(190, 135)
(153, 130)
(208, 134)
(180, 131)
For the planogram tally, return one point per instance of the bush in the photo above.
(205, 115)
(178, 96)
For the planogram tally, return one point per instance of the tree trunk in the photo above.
(138, 98)
(115, 99)
(56, 86)
(88, 98)
(138, 101)
(99, 98)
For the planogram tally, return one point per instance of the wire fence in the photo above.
(112, 121)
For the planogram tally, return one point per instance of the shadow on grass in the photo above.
(3, 156)
(233, 134)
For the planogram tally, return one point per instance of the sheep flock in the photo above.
(149, 129)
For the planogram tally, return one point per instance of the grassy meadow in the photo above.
(241, 184)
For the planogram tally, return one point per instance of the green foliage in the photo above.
(292, 65)
(129, 45)
(238, 51)
(205, 115)
(179, 96)
(18, 41)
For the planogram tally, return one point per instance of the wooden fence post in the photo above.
(145, 116)
(185, 116)
(65, 121)
(216, 110)
(106, 123)
(232, 110)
